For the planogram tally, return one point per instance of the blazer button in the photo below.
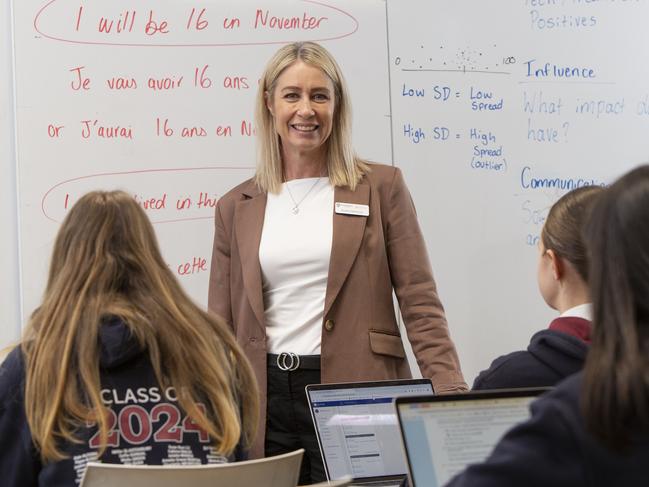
(329, 325)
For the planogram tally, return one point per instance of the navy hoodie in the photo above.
(148, 427)
(551, 356)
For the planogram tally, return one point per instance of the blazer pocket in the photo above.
(385, 343)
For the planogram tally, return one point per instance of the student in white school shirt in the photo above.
(593, 428)
(560, 350)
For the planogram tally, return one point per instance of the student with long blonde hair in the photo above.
(118, 364)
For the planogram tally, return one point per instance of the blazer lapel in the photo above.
(249, 220)
(348, 233)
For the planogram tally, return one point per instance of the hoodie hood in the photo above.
(561, 352)
(118, 344)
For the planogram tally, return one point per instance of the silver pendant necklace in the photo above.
(296, 204)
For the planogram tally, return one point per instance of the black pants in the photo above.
(288, 420)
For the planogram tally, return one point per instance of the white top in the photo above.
(584, 311)
(294, 255)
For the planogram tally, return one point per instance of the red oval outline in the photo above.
(79, 178)
(200, 45)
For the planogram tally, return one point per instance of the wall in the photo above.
(9, 295)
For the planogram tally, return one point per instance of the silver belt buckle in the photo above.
(284, 364)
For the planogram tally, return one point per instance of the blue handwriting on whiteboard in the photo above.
(441, 92)
(643, 106)
(412, 91)
(537, 104)
(441, 133)
(485, 138)
(561, 21)
(599, 107)
(550, 70)
(542, 134)
(416, 135)
(563, 183)
(488, 104)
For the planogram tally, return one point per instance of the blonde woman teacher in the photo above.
(307, 253)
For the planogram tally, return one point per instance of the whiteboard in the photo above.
(156, 97)
(489, 131)
(415, 68)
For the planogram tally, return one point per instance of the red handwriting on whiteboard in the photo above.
(236, 82)
(247, 129)
(230, 24)
(201, 80)
(120, 83)
(165, 83)
(124, 23)
(151, 202)
(80, 82)
(92, 24)
(92, 128)
(156, 27)
(263, 19)
(156, 83)
(166, 194)
(204, 200)
(54, 131)
(196, 265)
(192, 132)
(165, 128)
(198, 23)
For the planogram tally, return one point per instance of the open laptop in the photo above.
(357, 429)
(443, 434)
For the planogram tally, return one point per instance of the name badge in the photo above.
(352, 209)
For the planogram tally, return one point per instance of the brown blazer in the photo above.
(370, 256)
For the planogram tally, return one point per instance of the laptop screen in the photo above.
(442, 436)
(357, 427)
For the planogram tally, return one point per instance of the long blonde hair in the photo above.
(345, 169)
(105, 263)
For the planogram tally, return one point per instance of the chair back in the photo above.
(278, 471)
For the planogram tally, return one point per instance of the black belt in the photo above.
(289, 361)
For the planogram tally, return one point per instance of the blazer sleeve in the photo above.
(19, 461)
(413, 282)
(218, 300)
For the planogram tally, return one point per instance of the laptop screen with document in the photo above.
(357, 428)
(443, 435)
